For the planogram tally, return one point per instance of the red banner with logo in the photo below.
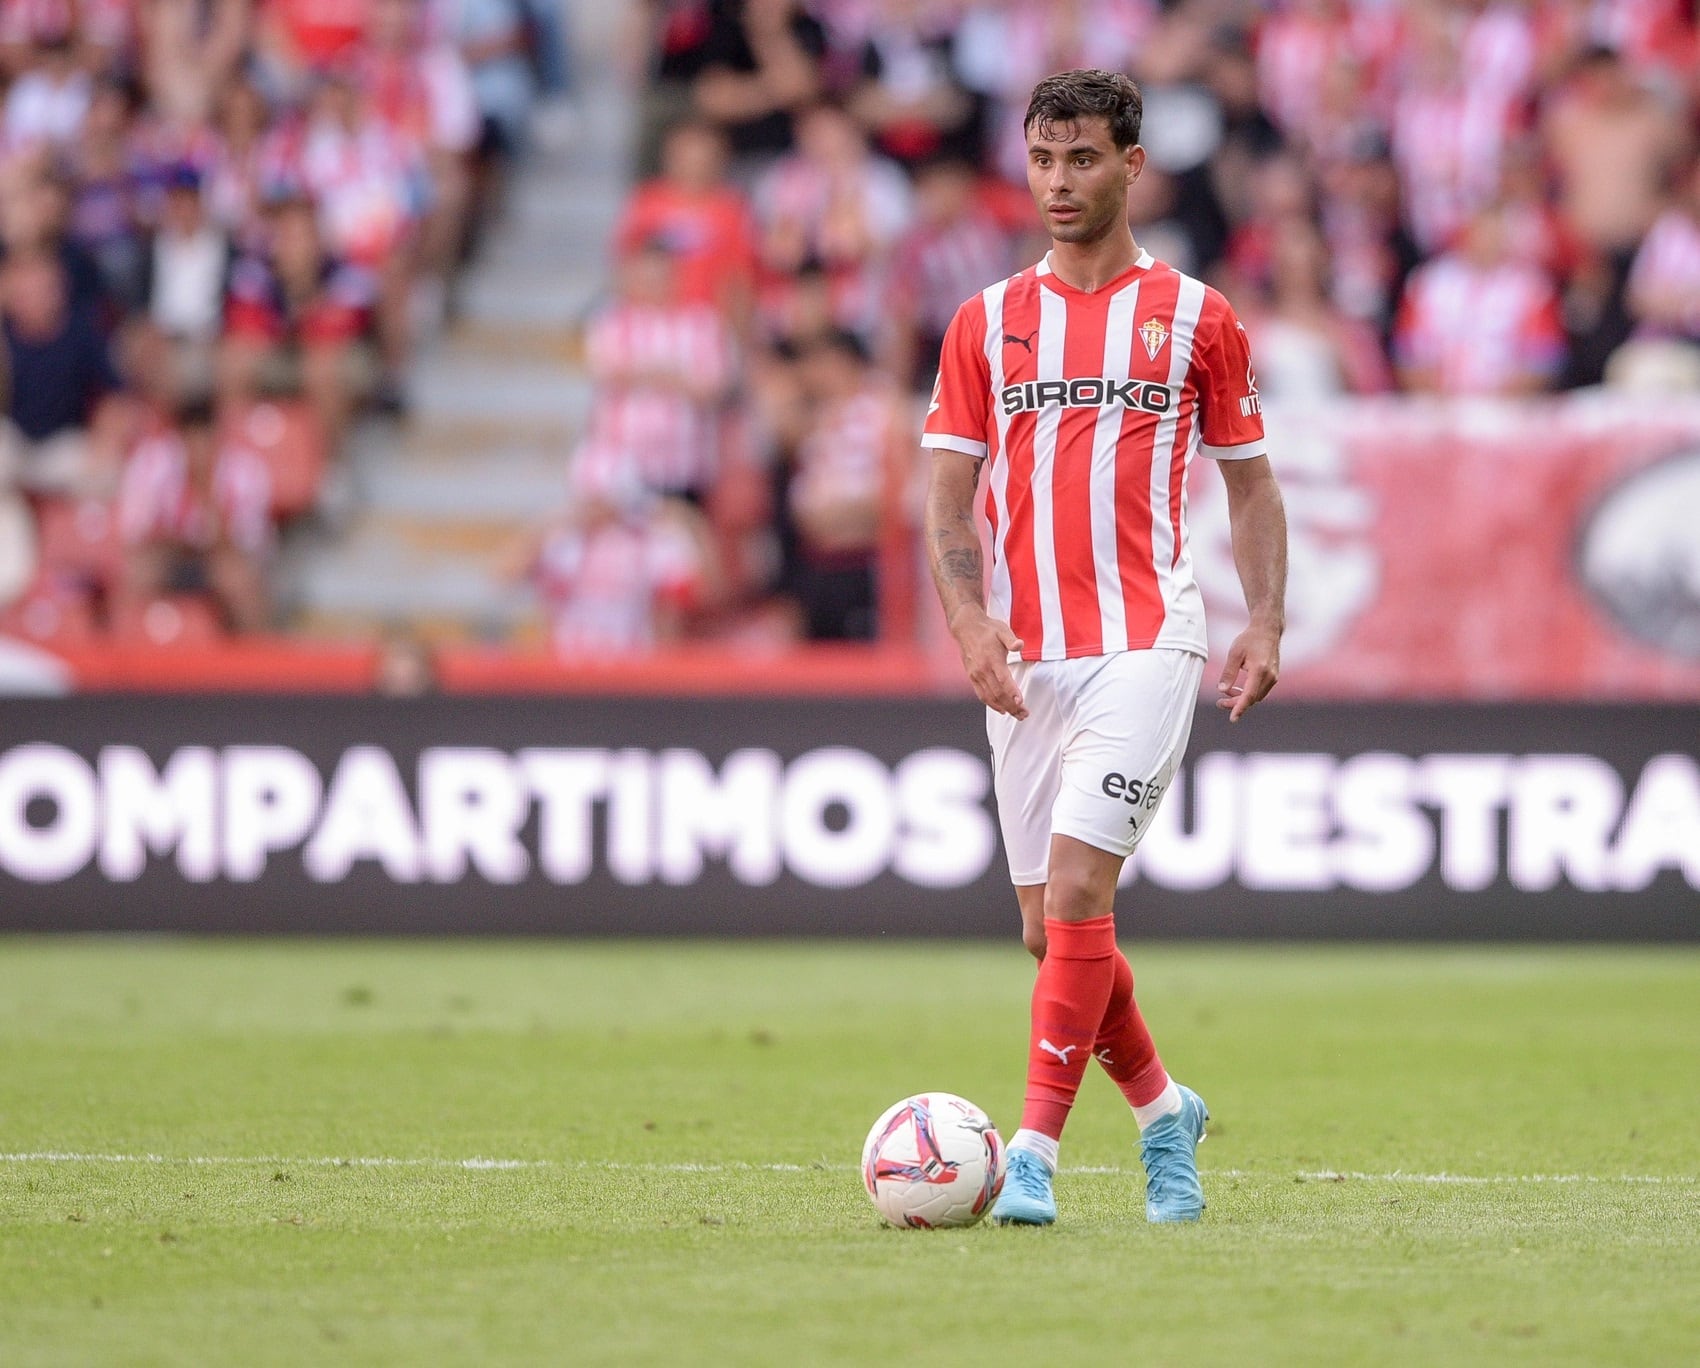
(1479, 550)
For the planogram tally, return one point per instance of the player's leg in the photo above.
(1170, 1115)
(1117, 777)
(1126, 1051)
(1026, 768)
(1070, 994)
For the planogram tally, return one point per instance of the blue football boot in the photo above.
(1169, 1150)
(1026, 1197)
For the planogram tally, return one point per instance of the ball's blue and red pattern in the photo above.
(930, 1166)
(933, 1160)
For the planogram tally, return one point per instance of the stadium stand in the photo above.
(660, 366)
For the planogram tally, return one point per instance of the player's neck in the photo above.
(1090, 266)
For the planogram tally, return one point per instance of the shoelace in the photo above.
(1170, 1142)
(1027, 1174)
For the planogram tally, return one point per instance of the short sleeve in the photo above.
(961, 402)
(1231, 425)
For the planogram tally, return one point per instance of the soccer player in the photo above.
(1081, 389)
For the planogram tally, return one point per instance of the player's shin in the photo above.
(1069, 997)
(1128, 1054)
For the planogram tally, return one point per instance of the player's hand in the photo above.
(1253, 666)
(985, 644)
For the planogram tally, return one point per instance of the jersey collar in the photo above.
(1143, 262)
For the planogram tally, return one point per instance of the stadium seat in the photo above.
(286, 436)
(50, 615)
(168, 620)
(79, 542)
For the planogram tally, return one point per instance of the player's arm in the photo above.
(956, 435)
(1258, 520)
(953, 551)
(1232, 429)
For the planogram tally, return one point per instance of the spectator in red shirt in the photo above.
(294, 318)
(294, 38)
(701, 218)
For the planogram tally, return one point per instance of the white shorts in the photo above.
(1102, 739)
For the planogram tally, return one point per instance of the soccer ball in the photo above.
(933, 1161)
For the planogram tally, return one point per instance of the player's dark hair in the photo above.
(1070, 96)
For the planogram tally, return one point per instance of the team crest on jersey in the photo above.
(1155, 335)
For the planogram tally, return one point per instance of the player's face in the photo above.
(1079, 178)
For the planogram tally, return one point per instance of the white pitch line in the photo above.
(478, 1164)
(265, 1160)
(1332, 1176)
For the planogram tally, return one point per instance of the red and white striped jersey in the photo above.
(1448, 143)
(157, 501)
(1480, 330)
(1089, 408)
(603, 584)
(646, 360)
(842, 460)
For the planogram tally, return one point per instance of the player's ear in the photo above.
(1135, 162)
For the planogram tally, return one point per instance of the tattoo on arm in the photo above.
(963, 565)
(953, 542)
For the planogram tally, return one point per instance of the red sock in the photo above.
(1069, 998)
(1124, 1047)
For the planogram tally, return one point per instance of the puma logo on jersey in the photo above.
(1026, 342)
(1092, 391)
(1061, 1054)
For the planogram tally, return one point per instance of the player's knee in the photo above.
(1074, 899)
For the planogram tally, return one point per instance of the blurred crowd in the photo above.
(224, 226)
(1457, 197)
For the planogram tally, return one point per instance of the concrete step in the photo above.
(445, 440)
(435, 505)
(530, 300)
(393, 571)
(526, 632)
(496, 486)
(461, 388)
(482, 340)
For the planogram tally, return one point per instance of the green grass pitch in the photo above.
(681, 1125)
